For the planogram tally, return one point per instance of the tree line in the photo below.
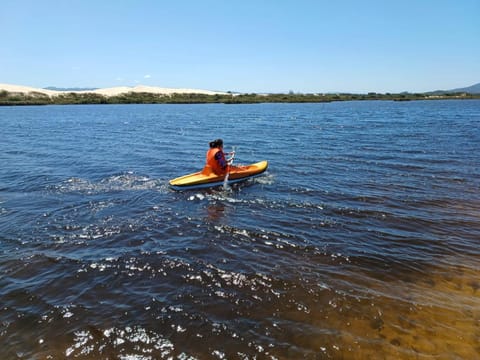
(72, 98)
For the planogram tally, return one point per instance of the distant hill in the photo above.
(474, 89)
(54, 88)
(114, 91)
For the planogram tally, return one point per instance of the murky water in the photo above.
(361, 240)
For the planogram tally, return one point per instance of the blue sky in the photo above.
(246, 46)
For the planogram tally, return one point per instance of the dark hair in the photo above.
(216, 143)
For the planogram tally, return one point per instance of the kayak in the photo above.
(201, 179)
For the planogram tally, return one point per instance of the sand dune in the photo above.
(108, 91)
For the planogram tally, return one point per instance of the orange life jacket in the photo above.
(216, 162)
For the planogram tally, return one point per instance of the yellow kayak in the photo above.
(202, 179)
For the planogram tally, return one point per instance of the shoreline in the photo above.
(144, 95)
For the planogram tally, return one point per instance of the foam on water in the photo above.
(128, 181)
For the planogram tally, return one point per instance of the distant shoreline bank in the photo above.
(8, 98)
(24, 95)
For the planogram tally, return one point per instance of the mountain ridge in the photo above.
(473, 89)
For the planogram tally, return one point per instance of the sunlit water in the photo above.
(362, 240)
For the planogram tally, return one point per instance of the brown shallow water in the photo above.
(362, 245)
(357, 315)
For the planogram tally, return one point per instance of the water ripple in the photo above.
(360, 239)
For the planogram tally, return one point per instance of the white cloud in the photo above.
(148, 76)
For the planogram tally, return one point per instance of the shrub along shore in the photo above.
(36, 98)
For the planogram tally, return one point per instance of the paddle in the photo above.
(229, 162)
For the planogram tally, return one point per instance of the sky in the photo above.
(249, 46)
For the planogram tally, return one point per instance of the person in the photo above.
(216, 161)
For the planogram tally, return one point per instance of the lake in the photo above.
(362, 240)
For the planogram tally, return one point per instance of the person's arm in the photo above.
(220, 158)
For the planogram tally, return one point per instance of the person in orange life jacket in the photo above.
(216, 161)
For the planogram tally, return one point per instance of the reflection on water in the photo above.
(215, 211)
(364, 245)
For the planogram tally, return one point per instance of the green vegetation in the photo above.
(35, 98)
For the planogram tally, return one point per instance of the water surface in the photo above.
(360, 241)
